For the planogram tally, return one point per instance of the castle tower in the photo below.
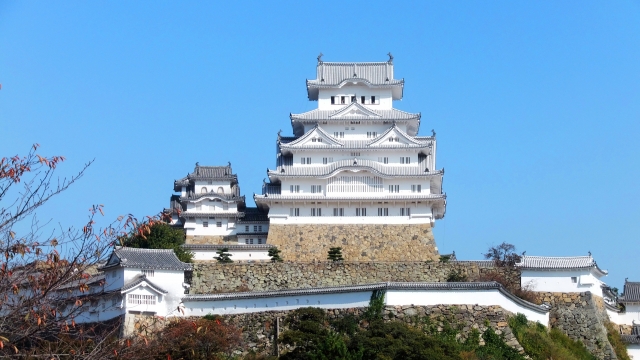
(355, 174)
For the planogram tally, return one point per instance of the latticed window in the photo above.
(136, 299)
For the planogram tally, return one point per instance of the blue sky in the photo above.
(535, 104)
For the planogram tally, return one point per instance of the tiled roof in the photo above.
(160, 259)
(193, 214)
(326, 115)
(335, 72)
(630, 339)
(138, 279)
(460, 286)
(368, 197)
(207, 173)
(379, 142)
(353, 164)
(558, 263)
(631, 292)
(252, 214)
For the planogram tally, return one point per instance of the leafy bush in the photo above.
(335, 254)
(457, 276)
(223, 256)
(274, 254)
(540, 344)
(160, 236)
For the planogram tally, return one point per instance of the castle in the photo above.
(354, 175)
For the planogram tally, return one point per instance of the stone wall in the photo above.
(213, 277)
(581, 316)
(211, 239)
(359, 242)
(259, 330)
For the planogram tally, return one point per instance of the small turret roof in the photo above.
(207, 173)
(558, 263)
(336, 74)
(145, 259)
(631, 292)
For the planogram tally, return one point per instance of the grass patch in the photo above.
(616, 341)
(540, 344)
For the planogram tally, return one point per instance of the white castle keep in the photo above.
(355, 175)
(355, 159)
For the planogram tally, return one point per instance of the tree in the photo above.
(223, 256)
(45, 274)
(161, 236)
(274, 254)
(503, 255)
(335, 254)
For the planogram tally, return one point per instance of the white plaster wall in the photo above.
(420, 214)
(243, 228)
(560, 281)
(236, 255)
(631, 314)
(404, 186)
(241, 306)
(361, 299)
(634, 351)
(467, 297)
(392, 155)
(195, 227)
(169, 280)
(114, 279)
(213, 187)
(383, 95)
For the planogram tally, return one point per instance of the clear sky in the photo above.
(535, 104)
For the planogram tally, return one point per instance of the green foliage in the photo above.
(161, 236)
(616, 341)
(376, 306)
(496, 348)
(307, 330)
(274, 254)
(445, 258)
(311, 336)
(457, 276)
(540, 344)
(212, 317)
(223, 256)
(335, 254)
(397, 340)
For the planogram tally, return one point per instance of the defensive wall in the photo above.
(214, 277)
(359, 242)
(261, 329)
(582, 317)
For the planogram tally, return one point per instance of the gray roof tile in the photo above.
(157, 259)
(558, 263)
(139, 279)
(631, 292)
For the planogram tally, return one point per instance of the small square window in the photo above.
(205, 224)
(219, 224)
(574, 279)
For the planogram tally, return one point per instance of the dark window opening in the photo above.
(361, 99)
(333, 100)
(343, 99)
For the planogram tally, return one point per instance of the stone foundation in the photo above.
(211, 239)
(260, 329)
(213, 277)
(581, 316)
(311, 242)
